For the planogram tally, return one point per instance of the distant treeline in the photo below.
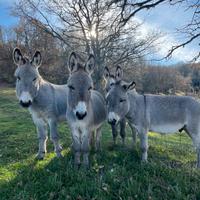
(150, 79)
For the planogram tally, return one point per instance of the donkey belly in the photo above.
(166, 128)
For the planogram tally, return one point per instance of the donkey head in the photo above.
(28, 78)
(117, 101)
(80, 85)
(111, 79)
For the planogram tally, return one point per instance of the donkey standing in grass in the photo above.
(162, 114)
(46, 102)
(86, 108)
(110, 80)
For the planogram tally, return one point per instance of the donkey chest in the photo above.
(40, 114)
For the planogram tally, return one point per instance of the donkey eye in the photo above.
(18, 78)
(89, 88)
(34, 79)
(71, 87)
(111, 84)
(122, 100)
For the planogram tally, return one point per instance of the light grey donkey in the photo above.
(86, 108)
(162, 114)
(45, 101)
(110, 80)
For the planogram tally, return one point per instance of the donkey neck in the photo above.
(135, 101)
(43, 91)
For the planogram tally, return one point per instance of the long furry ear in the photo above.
(118, 73)
(106, 73)
(90, 64)
(18, 57)
(37, 59)
(129, 86)
(73, 63)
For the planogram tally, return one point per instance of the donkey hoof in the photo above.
(144, 161)
(60, 148)
(77, 166)
(86, 166)
(59, 155)
(40, 156)
(114, 143)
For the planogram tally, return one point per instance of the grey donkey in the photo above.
(162, 114)
(86, 108)
(110, 80)
(45, 101)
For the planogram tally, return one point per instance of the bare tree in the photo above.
(29, 38)
(129, 8)
(191, 30)
(91, 27)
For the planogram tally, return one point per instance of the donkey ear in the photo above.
(72, 66)
(119, 73)
(106, 73)
(90, 64)
(17, 57)
(129, 86)
(37, 59)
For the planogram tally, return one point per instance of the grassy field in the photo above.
(116, 172)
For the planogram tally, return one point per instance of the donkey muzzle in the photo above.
(113, 118)
(81, 115)
(25, 104)
(112, 122)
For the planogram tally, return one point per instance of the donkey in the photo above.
(86, 109)
(45, 101)
(110, 80)
(162, 114)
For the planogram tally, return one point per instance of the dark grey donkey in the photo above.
(86, 108)
(46, 102)
(110, 80)
(162, 114)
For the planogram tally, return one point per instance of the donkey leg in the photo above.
(76, 146)
(193, 131)
(42, 136)
(85, 147)
(134, 135)
(198, 157)
(122, 130)
(98, 139)
(114, 133)
(92, 139)
(55, 137)
(144, 144)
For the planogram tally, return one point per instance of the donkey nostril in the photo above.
(25, 104)
(80, 116)
(112, 122)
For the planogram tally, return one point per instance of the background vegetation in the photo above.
(107, 29)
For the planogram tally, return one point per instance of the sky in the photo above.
(167, 19)
(163, 18)
(6, 19)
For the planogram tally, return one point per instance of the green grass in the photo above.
(116, 172)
